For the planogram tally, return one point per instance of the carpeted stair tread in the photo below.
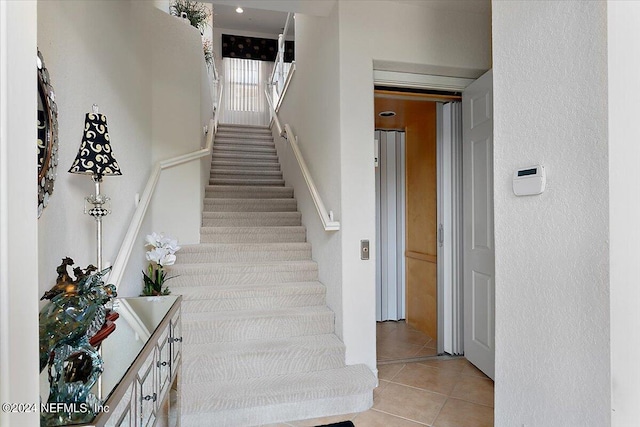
(264, 391)
(258, 338)
(242, 140)
(256, 192)
(242, 360)
(251, 219)
(252, 296)
(242, 325)
(183, 269)
(241, 273)
(253, 234)
(250, 204)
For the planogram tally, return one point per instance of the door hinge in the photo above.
(440, 235)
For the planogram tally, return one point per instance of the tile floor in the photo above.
(399, 341)
(435, 392)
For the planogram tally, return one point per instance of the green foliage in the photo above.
(153, 282)
(208, 52)
(197, 13)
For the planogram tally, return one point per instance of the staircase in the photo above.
(259, 344)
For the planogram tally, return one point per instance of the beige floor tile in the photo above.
(383, 328)
(391, 349)
(378, 390)
(322, 421)
(387, 372)
(373, 418)
(474, 389)
(426, 351)
(457, 413)
(409, 335)
(410, 403)
(472, 370)
(431, 379)
(455, 366)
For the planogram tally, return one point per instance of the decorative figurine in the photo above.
(75, 314)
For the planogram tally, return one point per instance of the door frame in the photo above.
(435, 82)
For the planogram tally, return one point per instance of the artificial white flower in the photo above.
(156, 255)
(168, 259)
(154, 239)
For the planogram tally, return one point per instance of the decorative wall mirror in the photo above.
(47, 136)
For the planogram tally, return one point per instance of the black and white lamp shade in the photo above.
(95, 156)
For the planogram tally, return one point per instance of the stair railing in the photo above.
(286, 132)
(122, 259)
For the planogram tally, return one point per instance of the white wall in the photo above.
(397, 32)
(179, 78)
(144, 69)
(624, 208)
(104, 61)
(311, 106)
(552, 251)
(18, 212)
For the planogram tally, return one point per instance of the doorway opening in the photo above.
(408, 218)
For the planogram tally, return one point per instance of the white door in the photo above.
(479, 254)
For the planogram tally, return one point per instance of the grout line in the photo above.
(418, 388)
(398, 416)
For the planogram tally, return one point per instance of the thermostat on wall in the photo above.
(529, 181)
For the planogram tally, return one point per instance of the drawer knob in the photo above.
(153, 397)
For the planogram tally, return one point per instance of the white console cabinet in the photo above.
(142, 361)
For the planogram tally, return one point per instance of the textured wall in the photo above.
(104, 61)
(394, 32)
(552, 259)
(624, 209)
(310, 106)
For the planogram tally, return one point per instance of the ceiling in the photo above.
(252, 20)
(269, 16)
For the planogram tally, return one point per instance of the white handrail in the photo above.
(129, 240)
(216, 116)
(325, 216)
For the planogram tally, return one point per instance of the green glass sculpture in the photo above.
(75, 313)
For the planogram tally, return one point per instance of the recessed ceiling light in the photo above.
(387, 113)
(239, 10)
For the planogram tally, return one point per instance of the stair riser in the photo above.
(231, 255)
(246, 166)
(244, 157)
(201, 368)
(231, 148)
(257, 328)
(246, 192)
(247, 182)
(253, 303)
(255, 174)
(245, 133)
(245, 140)
(267, 236)
(239, 205)
(250, 222)
(240, 278)
(274, 413)
(223, 172)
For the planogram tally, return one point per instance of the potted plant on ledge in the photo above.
(161, 255)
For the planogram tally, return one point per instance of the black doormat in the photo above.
(342, 424)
